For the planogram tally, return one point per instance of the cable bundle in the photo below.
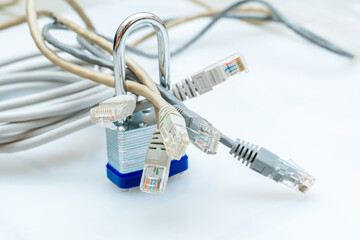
(77, 85)
(35, 119)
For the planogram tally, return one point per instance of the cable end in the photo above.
(173, 131)
(279, 170)
(157, 166)
(113, 110)
(206, 79)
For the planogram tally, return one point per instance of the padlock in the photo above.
(128, 142)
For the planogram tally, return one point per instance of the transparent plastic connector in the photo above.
(231, 67)
(104, 116)
(293, 176)
(176, 140)
(272, 166)
(113, 110)
(224, 70)
(154, 179)
(206, 139)
(205, 80)
(201, 132)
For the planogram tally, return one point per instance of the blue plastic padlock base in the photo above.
(132, 179)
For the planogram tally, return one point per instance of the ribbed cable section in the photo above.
(157, 141)
(244, 151)
(184, 89)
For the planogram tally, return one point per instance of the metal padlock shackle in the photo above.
(122, 33)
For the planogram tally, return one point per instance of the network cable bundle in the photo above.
(146, 137)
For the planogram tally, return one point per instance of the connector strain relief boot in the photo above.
(244, 151)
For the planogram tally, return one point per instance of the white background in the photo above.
(298, 100)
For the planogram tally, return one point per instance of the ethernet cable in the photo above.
(8, 3)
(197, 84)
(205, 80)
(14, 129)
(270, 165)
(119, 107)
(208, 78)
(201, 132)
(32, 85)
(132, 86)
(18, 58)
(76, 69)
(21, 19)
(290, 174)
(37, 64)
(301, 188)
(113, 110)
(281, 171)
(27, 125)
(22, 135)
(206, 138)
(170, 123)
(89, 58)
(92, 48)
(276, 17)
(42, 96)
(105, 62)
(136, 88)
(75, 89)
(262, 13)
(12, 136)
(173, 131)
(157, 166)
(84, 72)
(132, 48)
(57, 76)
(99, 58)
(265, 17)
(52, 56)
(46, 137)
(259, 159)
(80, 71)
(88, 46)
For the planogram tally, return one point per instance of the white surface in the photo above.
(298, 100)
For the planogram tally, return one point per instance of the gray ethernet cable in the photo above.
(270, 165)
(201, 133)
(206, 79)
(157, 166)
(258, 159)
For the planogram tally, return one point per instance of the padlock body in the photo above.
(127, 147)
